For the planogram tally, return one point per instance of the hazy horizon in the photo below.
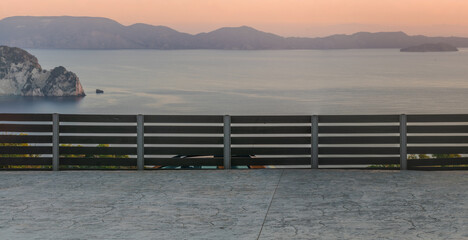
(325, 31)
(293, 18)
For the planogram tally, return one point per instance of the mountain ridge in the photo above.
(67, 32)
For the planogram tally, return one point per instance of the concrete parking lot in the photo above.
(234, 204)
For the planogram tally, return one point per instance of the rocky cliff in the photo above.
(21, 74)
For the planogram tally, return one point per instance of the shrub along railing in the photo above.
(69, 141)
(444, 136)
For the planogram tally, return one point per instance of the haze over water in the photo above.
(371, 81)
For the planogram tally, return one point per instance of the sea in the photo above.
(304, 82)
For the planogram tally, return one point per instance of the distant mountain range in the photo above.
(103, 33)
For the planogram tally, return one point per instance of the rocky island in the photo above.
(431, 47)
(21, 74)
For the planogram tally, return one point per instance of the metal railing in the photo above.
(317, 141)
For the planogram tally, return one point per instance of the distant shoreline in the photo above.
(88, 33)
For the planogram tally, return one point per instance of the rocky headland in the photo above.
(21, 74)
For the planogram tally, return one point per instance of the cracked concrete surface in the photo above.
(235, 204)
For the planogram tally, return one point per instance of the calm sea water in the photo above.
(377, 81)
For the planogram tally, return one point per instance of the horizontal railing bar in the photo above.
(183, 119)
(184, 129)
(270, 140)
(438, 118)
(271, 130)
(362, 167)
(184, 161)
(360, 140)
(98, 150)
(97, 118)
(358, 118)
(25, 128)
(25, 161)
(271, 119)
(26, 117)
(438, 129)
(359, 161)
(209, 151)
(437, 150)
(97, 168)
(98, 161)
(25, 139)
(270, 151)
(358, 129)
(239, 161)
(97, 140)
(183, 140)
(437, 139)
(359, 150)
(25, 150)
(96, 129)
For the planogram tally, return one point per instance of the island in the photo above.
(21, 75)
(431, 47)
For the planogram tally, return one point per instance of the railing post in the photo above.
(314, 149)
(140, 142)
(55, 142)
(227, 142)
(403, 143)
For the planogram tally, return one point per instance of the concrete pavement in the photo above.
(234, 204)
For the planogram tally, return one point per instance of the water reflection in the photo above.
(19, 104)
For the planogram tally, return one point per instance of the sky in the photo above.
(308, 18)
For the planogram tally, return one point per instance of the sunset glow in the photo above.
(289, 18)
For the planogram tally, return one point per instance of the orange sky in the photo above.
(284, 17)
